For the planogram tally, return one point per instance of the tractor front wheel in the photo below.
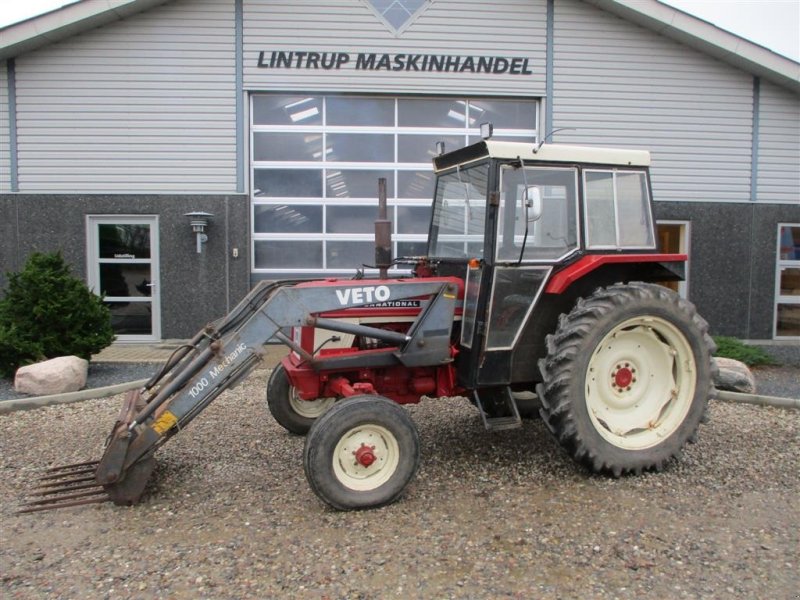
(362, 453)
(290, 411)
(627, 378)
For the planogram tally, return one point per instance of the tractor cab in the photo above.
(509, 217)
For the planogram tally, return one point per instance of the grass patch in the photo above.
(752, 356)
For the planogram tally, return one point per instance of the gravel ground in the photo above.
(228, 514)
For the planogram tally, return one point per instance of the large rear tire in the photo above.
(290, 411)
(362, 453)
(627, 378)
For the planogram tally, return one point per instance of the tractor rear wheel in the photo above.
(290, 411)
(362, 453)
(627, 378)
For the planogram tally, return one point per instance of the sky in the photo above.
(774, 24)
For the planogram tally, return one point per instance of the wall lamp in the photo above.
(199, 221)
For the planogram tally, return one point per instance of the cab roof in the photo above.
(546, 153)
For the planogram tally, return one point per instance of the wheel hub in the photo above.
(365, 455)
(624, 376)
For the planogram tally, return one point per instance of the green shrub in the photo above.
(752, 356)
(47, 312)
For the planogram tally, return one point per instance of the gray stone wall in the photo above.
(732, 275)
(733, 253)
(195, 288)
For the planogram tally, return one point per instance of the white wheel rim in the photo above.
(310, 409)
(640, 383)
(366, 457)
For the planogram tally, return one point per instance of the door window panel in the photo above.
(351, 219)
(789, 278)
(346, 110)
(281, 255)
(287, 218)
(422, 148)
(413, 219)
(123, 241)
(125, 279)
(788, 320)
(411, 248)
(288, 183)
(287, 110)
(514, 292)
(502, 114)
(415, 184)
(360, 147)
(131, 318)
(787, 284)
(276, 146)
(349, 255)
(356, 183)
(417, 112)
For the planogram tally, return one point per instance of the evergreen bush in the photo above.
(752, 356)
(47, 312)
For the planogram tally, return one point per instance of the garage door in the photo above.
(316, 161)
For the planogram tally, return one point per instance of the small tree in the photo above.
(47, 312)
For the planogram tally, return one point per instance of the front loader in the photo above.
(538, 295)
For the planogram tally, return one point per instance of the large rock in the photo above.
(734, 376)
(54, 376)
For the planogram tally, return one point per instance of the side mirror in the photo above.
(533, 203)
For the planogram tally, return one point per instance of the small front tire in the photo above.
(362, 453)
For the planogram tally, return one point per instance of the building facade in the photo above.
(277, 118)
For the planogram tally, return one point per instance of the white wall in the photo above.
(622, 85)
(5, 158)
(778, 145)
(146, 104)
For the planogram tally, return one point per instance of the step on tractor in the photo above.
(541, 294)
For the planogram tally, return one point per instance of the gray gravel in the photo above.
(504, 515)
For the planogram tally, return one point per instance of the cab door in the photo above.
(529, 240)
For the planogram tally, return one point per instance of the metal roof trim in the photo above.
(707, 38)
(61, 23)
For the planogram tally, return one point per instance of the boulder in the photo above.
(734, 376)
(54, 376)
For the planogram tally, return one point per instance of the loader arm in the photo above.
(221, 355)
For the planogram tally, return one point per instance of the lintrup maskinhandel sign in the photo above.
(366, 61)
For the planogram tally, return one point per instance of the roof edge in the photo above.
(66, 21)
(707, 38)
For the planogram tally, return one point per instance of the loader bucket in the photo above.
(96, 481)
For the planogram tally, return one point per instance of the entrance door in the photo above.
(123, 266)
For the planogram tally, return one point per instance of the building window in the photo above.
(316, 161)
(787, 282)
(673, 238)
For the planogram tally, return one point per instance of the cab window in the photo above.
(547, 236)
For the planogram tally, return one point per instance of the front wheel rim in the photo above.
(310, 409)
(366, 457)
(640, 383)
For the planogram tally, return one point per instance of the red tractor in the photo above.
(537, 296)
